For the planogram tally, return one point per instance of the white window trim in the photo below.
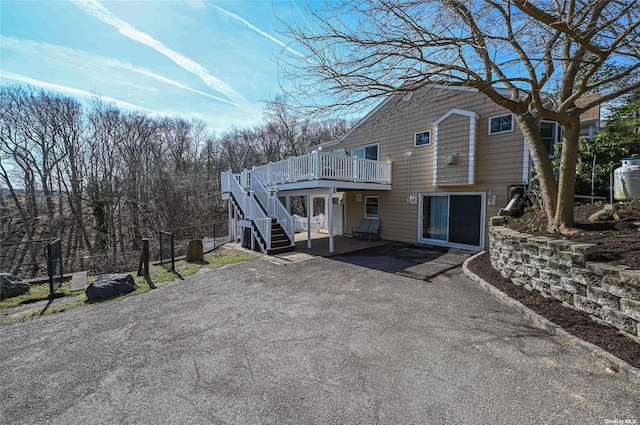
(421, 132)
(438, 242)
(473, 118)
(366, 146)
(526, 164)
(365, 206)
(503, 131)
(558, 130)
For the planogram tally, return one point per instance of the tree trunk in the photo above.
(563, 219)
(544, 168)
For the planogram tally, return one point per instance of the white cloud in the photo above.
(97, 10)
(254, 28)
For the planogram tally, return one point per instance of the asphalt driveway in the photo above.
(326, 341)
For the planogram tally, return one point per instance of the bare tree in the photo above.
(361, 50)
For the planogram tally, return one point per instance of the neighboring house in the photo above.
(432, 165)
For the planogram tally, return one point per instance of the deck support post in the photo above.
(309, 213)
(231, 235)
(330, 214)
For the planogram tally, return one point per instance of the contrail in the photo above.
(258, 30)
(97, 10)
(84, 59)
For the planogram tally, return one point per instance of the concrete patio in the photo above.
(341, 244)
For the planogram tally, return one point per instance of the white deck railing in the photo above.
(277, 210)
(319, 165)
(273, 207)
(260, 219)
(260, 208)
(230, 183)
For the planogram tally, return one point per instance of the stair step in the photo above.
(280, 243)
(282, 250)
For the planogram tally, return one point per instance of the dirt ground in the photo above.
(615, 246)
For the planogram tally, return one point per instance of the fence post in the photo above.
(50, 268)
(173, 255)
(161, 249)
(54, 253)
(143, 267)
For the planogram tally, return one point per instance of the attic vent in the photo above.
(452, 159)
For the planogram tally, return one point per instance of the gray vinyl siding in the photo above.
(498, 158)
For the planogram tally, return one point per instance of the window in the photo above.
(551, 134)
(501, 124)
(367, 152)
(341, 151)
(423, 139)
(371, 207)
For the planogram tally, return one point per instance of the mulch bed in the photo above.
(621, 247)
(575, 322)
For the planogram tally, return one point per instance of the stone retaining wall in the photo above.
(561, 269)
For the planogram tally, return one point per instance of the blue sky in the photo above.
(211, 60)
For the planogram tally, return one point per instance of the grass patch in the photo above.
(212, 260)
(38, 291)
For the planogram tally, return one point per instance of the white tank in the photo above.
(626, 180)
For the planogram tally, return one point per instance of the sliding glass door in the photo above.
(453, 219)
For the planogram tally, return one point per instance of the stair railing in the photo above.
(262, 222)
(274, 208)
(260, 192)
(236, 190)
(286, 221)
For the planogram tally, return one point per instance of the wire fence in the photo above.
(173, 242)
(28, 259)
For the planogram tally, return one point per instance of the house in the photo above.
(433, 165)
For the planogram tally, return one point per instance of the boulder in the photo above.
(195, 251)
(12, 286)
(625, 225)
(603, 215)
(109, 286)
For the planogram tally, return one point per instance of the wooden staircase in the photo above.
(264, 213)
(237, 207)
(280, 242)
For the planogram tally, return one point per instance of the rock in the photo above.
(625, 225)
(109, 286)
(634, 204)
(625, 212)
(195, 251)
(602, 215)
(12, 286)
(611, 207)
